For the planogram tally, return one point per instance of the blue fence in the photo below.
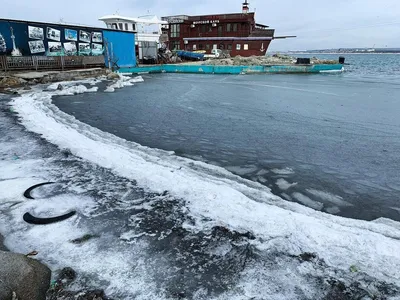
(120, 50)
(22, 38)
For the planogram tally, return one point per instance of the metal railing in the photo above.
(8, 63)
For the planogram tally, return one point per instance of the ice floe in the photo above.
(334, 199)
(123, 81)
(284, 185)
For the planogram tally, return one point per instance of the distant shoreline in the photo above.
(343, 53)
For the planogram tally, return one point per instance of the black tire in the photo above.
(27, 193)
(28, 218)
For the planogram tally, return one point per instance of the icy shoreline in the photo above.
(215, 197)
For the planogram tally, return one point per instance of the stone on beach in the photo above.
(28, 278)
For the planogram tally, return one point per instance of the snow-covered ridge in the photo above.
(214, 193)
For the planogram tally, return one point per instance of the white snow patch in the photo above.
(109, 89)
(74, 90)
(19, 185)
(284, 185)
(123, 81)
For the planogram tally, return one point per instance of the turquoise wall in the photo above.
(207, 69)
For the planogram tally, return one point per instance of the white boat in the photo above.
(147, 28)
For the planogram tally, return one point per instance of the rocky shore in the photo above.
(27, 79)
(276, 59)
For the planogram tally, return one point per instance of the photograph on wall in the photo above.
(71, 35)
(53, 34)
(97, 37)
(3, 45)
(70, 48)
(36, 47)
(97, 49)
(84, 36)
(84, 49)
(35, 33)
(55, 49)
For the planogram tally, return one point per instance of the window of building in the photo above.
(220, 30)
(201, 47)
(175, 30)
(229, 27)
(176, 45)
(208, 47)
(120, 26)
(133, 27)
(229, 47)
(238, 47)
(194, 47)
(235, 27)
(126, 26)
(221, 46)
(246, 47)
(203, 28)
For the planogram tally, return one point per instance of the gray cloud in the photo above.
(318, 24)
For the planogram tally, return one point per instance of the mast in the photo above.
(245, 7)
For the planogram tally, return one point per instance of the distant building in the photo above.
(239, 34)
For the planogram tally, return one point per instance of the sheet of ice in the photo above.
(308, 201)
(262, 172)
(284, 185)
(333, 210)
(212, 193)
(334, 199)
(286, 196)
(285, 171)
(262, 179)
(240, 170)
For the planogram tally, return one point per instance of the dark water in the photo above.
(336, 135)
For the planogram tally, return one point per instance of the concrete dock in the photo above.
(234, 70)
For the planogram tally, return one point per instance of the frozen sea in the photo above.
(213, 187)
(327, 141)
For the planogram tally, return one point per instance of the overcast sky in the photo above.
(317, 23)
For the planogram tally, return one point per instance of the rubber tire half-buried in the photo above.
(28, 218)
(27, 193)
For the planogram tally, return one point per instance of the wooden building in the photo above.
(239, 34)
